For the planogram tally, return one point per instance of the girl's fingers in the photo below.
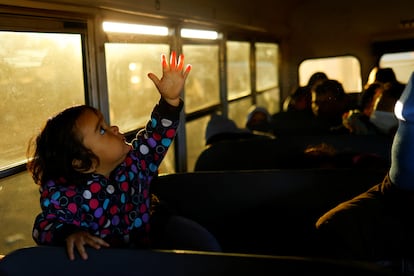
(69, 250)
(164, 62)
(180, 62)
(173, 60)
(187, 71)
(173, 65)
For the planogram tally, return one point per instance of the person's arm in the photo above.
(49, 229)
(59, 225)
(151, 144)
(58, 218)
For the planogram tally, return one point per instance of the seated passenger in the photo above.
(383, 116)
(258, 120)
(378, 225)
(358, 120)
(293, 122)
(297, 117)
(301, 99)
(316, 79)
(330, 102)
(377, 115)
(385, 75)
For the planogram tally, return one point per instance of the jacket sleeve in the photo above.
(152, 143)
(59, 216)
(51, 232)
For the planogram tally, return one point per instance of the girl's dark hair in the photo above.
(53, 151)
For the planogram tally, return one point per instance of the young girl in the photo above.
(95, 186)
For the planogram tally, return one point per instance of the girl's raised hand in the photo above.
(173, 78)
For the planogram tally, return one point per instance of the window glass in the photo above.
(19, 205)
(402, 64)
(196, 142)
(41, 74)
(267, 71)
(168, 164)
(270, 100)
(346, 70)
(132, 95)
(238, 69)
(202, 85)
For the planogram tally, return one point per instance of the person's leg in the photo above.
(353, 229)
(185, 234)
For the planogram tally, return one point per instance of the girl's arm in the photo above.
(151, 144)
(58, 218)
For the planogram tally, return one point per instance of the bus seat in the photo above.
(285, 152)
(264, 211)
(47, 260)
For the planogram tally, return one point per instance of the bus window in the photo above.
(266, 65)
(202, 86)
(131, 93)
(41, 74)
(238, 69)
(201, 91)
(402, 64)
(269, 99)
(267, 84)
(346, 70)
(131, 53)
(267, 76)
(238, 80)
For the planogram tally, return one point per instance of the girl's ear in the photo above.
(78, 166)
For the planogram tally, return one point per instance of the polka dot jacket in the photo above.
(117, 208)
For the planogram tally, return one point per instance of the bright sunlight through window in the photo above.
(134, 29)
(192, 33)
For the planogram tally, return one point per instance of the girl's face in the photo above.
(106, 142)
